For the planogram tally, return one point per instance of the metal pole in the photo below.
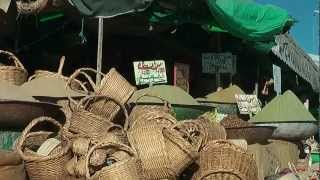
(99, 53)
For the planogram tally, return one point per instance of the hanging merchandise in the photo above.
(31, 7)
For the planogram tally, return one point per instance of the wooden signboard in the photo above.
(150, 72)
(181, 76)
(248, 104)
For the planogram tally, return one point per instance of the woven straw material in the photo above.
(16, 74)
(31, 7)
(87, 123)
(127, 169)
(225, 160)
(149, 143)
(201, 131)
(180, 152)
(43, 167)
(80, 146)
(115, 86)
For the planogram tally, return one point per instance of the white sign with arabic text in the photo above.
(150, 72)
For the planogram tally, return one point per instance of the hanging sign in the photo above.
(277, 79)
(248, 104)
(150, 72)
(218, 63)
(181, 76)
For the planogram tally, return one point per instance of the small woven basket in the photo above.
(31, 7)
(87, 123)
(180, 152)
(76, 84)
(16, 74)
(112, 85)
(43, 167)
(126, 169)
(222, 160)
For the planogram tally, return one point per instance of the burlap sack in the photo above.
(11, 166)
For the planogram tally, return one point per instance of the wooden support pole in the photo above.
(99, 53)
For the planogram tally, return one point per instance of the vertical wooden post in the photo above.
(99, 53)
(218, 75)
(256, 85)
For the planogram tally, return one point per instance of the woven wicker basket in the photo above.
(180, 152)
(222, 160)
(43, 167)
(87, 123)
(112, 85)
(115, 86)
(16, 74)
(127, 169)
(31, 7)
(76, 84)
(150, 145)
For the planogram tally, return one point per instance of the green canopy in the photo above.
(284, 108)
(244, 19)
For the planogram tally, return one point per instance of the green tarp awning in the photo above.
(245, 19)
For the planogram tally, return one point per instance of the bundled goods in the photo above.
(44, 160)
(223, 160)
(31, 7)
(14, 74)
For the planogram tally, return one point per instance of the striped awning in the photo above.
(299, 61)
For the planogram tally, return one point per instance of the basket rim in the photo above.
(206, 173)
(27, 130)
(120, 146)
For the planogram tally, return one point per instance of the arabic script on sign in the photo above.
(218, 63)
(150, 72)
(248, 104)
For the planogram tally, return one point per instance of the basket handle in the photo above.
(72, 78)
(209, 172)
(11, 56)
(84, 102)
(166, 103)
(121, 147)
(28, 129)
(61, 64)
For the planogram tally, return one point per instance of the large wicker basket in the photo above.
(43, 167)
(124, 169)
(112, 85)
(31, 7)
(16, 74)
(88, 124)
(222, 160)
(181, 153)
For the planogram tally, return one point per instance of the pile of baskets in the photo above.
(105, 140)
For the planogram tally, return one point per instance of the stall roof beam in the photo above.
(290, 53)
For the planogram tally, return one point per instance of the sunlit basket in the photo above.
(43, 167)
(112, 85)
(88, 124)
(181, 153)
(16, 74)
(125, 169)
(31, 7)
(222, 160)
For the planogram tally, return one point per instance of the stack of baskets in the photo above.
(147, 143)
(14, 74)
